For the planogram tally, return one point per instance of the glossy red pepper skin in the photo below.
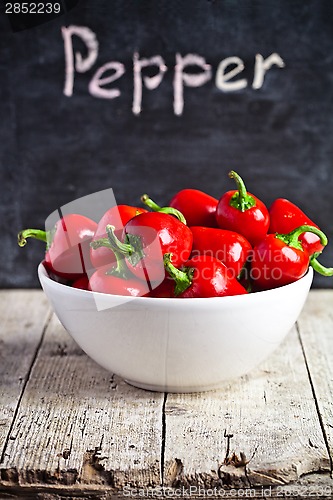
(165, 290)
(211, 279)
(117, 216)
(274, 263)
(203, 276)
(229, 247)
(158, 233)
(198, 208)
(68, 252)
(286, 216)
(280, 259)
(102, 282)
(250, 219)
(81, 283)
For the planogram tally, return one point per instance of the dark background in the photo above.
(55, 148)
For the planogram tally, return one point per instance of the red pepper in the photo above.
(285, 217)
(229, 247)
(243, 212)
(81, 283)
(279, 259)
(118, 280)
(171, 234)
(116, 216)
(202, 276)
(164, 290)
(67, 251)
(146, 238)
(104, 281)
(198, 208)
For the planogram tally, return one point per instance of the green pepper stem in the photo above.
(319, 268)
(164, 210)
(112, 242)
(132, 250)
(241, 200)
(120, 270)
(124, 248)
(150, 203)
(101, 242)
(38, 234)
(183, 279)
(291, 239)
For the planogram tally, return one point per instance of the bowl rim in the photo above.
(308, 277)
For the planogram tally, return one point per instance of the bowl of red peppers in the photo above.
(181, 298)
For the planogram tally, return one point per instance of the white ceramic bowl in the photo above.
(178, 345)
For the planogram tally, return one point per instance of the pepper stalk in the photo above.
(164, 210)
(183, 278)
(291, 239)
(241, 200)
(132, 250)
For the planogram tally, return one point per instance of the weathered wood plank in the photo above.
(82, 432)
(77, 423)
(315, 486)
(24, 314)
(261, 429)
(316, 334)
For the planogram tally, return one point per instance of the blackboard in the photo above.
(61, 141)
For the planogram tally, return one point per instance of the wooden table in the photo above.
(70, 429)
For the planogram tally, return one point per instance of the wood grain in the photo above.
(79, 423)
(24, 315)
(315, 486)
(261, 429)
(71, 429)
(55, 149)
(316, 334)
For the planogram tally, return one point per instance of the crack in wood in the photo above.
(84, 418)
(307, 486)
(66, 453)
(47, 321)
(11, 476)
(236, 461)
(174, 473)
(180, 414)
(113, 382)
(61, 350)
(315, 398)
(232, 471)
(163, 439)
(58, 492)
(234, 468)
(93, 471)
(228, 438)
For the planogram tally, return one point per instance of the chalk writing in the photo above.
(225, 77)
